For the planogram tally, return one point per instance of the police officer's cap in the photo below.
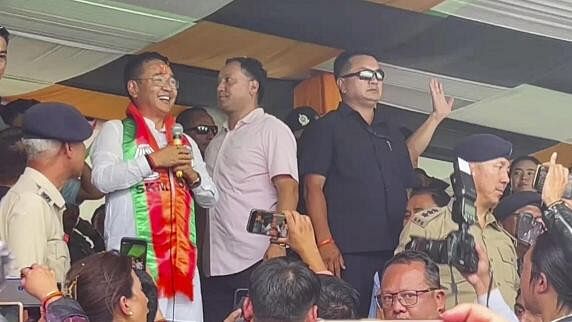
(301, 117)
(56, 121)
(483, 147)
(511, 203)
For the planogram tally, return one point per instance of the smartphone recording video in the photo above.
(136, 249)
(11, 312)
(540, 178)
(269, 223)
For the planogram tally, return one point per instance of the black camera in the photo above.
(558, 219)
(458, 248)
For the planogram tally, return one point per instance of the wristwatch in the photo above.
(196, 182)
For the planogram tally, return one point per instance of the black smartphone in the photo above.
(269, 223)
(239, 295)
(11, 311)
(540, 178)
(136, 249)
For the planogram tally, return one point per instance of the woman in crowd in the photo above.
(104, 285)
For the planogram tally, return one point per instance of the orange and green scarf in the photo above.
(164, 213)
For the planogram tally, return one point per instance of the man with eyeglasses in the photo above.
(411, 289)
(151, 184)
(199, 125)
(356, 168)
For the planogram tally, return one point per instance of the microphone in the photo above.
(177, 140)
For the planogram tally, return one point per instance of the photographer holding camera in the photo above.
(488, 158)
(546, 283)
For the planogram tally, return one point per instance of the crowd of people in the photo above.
(346, 184)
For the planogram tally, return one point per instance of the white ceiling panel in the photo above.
(525, 109)
(40, 63)
(99, 24)
(192, 8)
(550, 18)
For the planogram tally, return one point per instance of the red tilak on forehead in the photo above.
(164, 69)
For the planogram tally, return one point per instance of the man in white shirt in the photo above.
(150, 184)
(253, 164)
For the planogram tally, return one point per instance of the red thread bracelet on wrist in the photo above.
(325, 242)
(50, 296)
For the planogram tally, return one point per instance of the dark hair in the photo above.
(342, 62)
(150, 290)
(440, 197)
(548, 256)
(16, 108)
(338, 299)
(522, 158)
(411, 256)
(252, 67)
(70, 216)
(13, 157)
(98, 212)
(98, 282)
(186, 115)
(134, 66)
(283, 289)
(4, 34)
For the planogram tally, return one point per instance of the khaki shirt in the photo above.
(31, 224)
(437, 223)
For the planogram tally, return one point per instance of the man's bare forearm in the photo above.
(318, 212)
(287, 190)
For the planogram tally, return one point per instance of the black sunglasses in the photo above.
(205, 129)
(367, 74)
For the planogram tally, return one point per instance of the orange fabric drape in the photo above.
(564, 154)
(90, 103)
(320, 92)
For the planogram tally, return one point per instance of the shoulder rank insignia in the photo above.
(424, 217)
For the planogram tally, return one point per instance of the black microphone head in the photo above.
(177, 130)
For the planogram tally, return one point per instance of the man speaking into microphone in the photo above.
(151, 173)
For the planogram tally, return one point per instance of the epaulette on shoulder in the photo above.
(423, 218)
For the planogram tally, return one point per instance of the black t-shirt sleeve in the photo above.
(317, 148)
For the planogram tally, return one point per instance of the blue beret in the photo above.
(483, 147)
(56, 121)
(511, 203)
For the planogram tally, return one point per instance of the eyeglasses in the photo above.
(205, 129)
(367, 74)
(405, 298)
(162, 81)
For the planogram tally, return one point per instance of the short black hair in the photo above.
(253, 69)
(4, 34)
(12, 157)
(338, 299)
(549, 256)
(16, 108)
(411, 256)
(283, 289)
(134, 66)
(440, 197)
(342, 62)
(186, 115)
(523, 158)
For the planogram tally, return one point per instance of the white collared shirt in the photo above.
(243, 162)
(114, 176)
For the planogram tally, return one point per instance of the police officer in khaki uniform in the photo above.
(31, 212)
(488, 158)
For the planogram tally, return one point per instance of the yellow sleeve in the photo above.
(27, 237)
